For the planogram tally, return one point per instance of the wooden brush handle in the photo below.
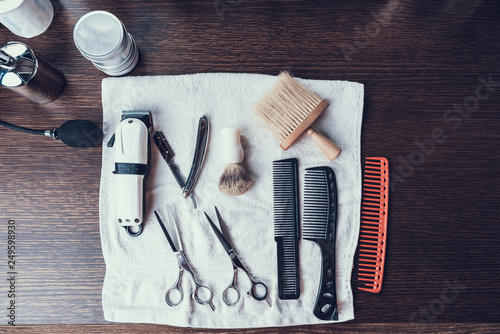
(327, 147)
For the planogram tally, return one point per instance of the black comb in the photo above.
(286, 226)
(319, 217)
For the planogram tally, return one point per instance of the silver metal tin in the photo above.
(29, 74)
(102, 38)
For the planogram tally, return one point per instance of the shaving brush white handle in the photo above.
(232, 151)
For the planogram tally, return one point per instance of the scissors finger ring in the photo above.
(174, 295)
(230, 296)
(258, 291)
(203, 295)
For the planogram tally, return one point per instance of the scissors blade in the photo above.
(170, 241)
(219, 235)
(175, 231)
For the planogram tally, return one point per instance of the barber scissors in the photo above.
(202, 294)
(231, 295)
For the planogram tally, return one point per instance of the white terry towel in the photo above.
(140, 270)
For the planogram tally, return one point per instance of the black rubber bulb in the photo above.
(79, 133)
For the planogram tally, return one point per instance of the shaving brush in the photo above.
(235, 180)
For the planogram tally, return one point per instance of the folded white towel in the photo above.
(140, 270)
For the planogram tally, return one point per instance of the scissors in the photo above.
(258, 291)
(202, 294)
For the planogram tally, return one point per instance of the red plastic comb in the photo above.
(373, 233)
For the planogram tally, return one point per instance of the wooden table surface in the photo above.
(432, 98)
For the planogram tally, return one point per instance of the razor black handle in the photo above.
(326, 302)
(288, 267)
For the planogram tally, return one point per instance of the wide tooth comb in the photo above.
(373, 229)
(319, 220)
(286, 226)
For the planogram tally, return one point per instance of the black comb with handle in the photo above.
(319, 224)
(286, 226)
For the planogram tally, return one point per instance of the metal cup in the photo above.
(29, 74)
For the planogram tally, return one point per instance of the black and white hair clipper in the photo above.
(131, 148)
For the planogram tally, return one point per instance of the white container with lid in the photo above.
(26, 18)
(102, 38)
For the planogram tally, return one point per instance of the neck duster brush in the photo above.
(235, 180)
(289, 109)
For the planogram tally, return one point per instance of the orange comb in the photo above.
(373, 233)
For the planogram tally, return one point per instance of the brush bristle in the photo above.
(235, 180)
(286, 105)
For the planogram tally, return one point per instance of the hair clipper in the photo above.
(131, 147)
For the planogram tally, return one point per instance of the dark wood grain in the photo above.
(420, 62)
(347, 328)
